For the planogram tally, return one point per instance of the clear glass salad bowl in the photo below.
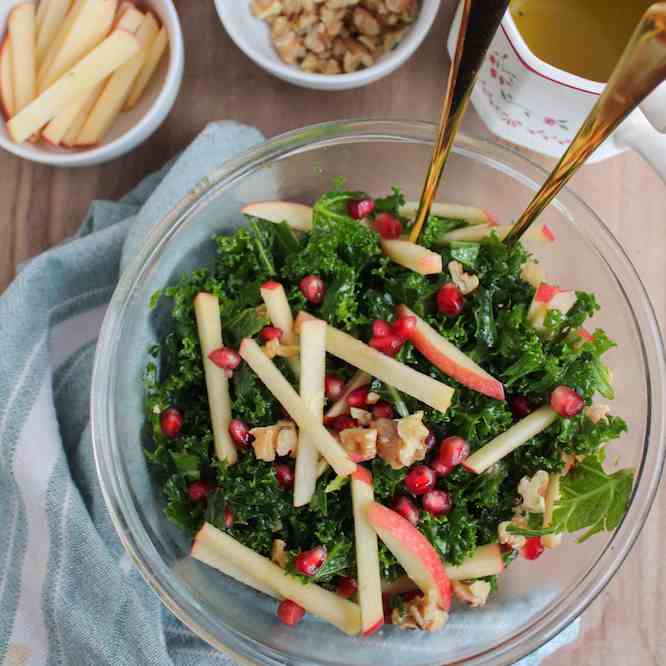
(536, 599)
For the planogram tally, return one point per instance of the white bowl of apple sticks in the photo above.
(85, 81)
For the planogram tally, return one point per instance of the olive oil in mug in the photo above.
(583, 37)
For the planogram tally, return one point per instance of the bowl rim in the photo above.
(119, 500)
(137, 133)
(396, 58)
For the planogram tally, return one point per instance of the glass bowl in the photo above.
(536, 600)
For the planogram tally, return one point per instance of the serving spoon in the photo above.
(640, 70)
(479, 22)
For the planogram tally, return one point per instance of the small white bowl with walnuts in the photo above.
(328, 44)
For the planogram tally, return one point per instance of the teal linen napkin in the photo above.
(68, 592)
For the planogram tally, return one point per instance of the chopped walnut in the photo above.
(464, 281)
(373, 398)
(533, 491)
(421, 612)
(264, 9)
(400, 443)
(280, 439)
(279, 553)
(516, 541)
(363, 416)
(596, 412)
(475, 593)
(275, 348)
(360, 443)
(569, 460)
(335, 36)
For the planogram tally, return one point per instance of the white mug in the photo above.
(526, 101)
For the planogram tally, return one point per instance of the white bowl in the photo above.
(252, 36)
(133, 127)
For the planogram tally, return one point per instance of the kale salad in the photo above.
(367, 428)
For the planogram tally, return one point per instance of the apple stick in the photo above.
(367, 553)
(204, 553)
(412, 256)
(413, 551)
(469, 214)
(308, 423)
(113, 52)
(386, 369)
(207, 311)
(279, 312)
(110, 102)
(50, 18)
(76, 125)
(341, 613)
(155, 53)
(6, 79)
(340, 406)
(549, 297)
(479, 232)
(22, 34)
(313, 372)
(91, 26)
(297, 216)
(449, 359)
(551, 499)
(59, 40)
(509, 441)
(58, 129)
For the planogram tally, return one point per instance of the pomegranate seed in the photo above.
(240, 433)
(334, 387)
(566, 402)
(290, 612)
(225, 358)
(358, 397)
(452, 451)
(269, 333)
(406, 508)
(388, 344)
(450, 300)
(199, 490)
(312, 287)
(404, 326)
(228, 518)
(440, 468)
(171, 422)
(310, 561)
(520, 406)
(346, 587)
(532, 548)
(360, 208)
(381, 328)
(420, 480)
(437, 502)
(430, 441)
(387, 226)
(285, 475)
(382, 410)
(344, 422)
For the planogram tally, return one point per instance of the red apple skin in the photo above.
(547, 233)
(375, 627)
(362, 474)
(545, 293)
(3, 48)
(271, 284)
(482, 383)
(584, 334)
(491, 218)
(417, 545)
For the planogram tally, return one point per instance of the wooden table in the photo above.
(626, 626)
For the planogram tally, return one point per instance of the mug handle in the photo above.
(654, 108)
(637, 133)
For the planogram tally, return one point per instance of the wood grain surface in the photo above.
(41, 206)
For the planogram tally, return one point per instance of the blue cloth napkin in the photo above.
(68, 592)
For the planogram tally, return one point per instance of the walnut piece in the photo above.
(280, 439)
(475, 593)
(360, 443)
(464, 281)
(264, 9)
(363, 416)
(421, 612)
(400, 443)
(516, 541)
(279, 553)
(533, 491)
(596, 412)
(275, 348)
